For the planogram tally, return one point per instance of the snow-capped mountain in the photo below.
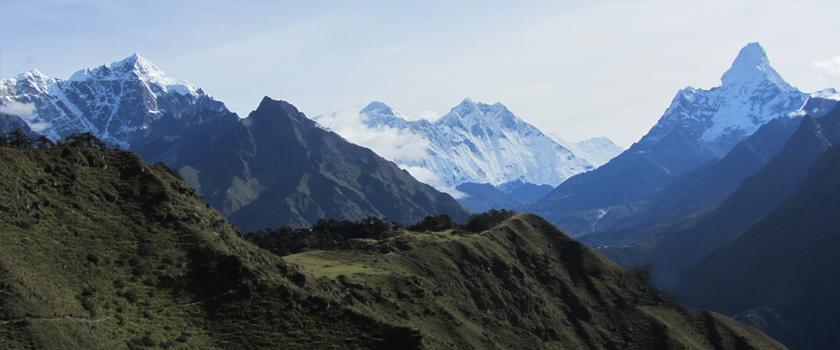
(597, 150)
(699, 126)
(118, 102)
(474, 142)
(751, 94)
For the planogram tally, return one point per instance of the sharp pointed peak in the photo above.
(135, 62)
(753, 66)
(136, 67)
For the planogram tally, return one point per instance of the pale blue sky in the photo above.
(580, 69)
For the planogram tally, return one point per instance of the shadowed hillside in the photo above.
(98, 249)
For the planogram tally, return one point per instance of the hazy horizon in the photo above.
(579, 70)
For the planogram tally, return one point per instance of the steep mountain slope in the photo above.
(10, 123)
(672, 253)
(99, 250)
(688, 197)
(780, 274)
(510, 195)
(597, 150)
(277, 167)
(699, 126)
(120, 102)
(475, 142)
(483, 197)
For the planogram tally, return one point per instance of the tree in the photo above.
(19, 139)
(86, 139)
(44, 142)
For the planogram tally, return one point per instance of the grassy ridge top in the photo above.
(521, 284)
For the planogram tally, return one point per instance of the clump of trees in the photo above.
(487, 220)
(434, 223)
(21, 140)
(332, 234)
(326, 234)
(476, 223)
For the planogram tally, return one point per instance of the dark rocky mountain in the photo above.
(687, 198)
(524, 192)
(781, 274)
(482, 197)
(277, 167)
(670, 254)
(510, 195)
(10, 123)
(698, 127)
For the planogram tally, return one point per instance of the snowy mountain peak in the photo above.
(469, 113)
(33, 74)
(752, 93)
(753, 67)
(475, 142)
(135, 68)
(378, 108)
(31, 82)
(120, 102)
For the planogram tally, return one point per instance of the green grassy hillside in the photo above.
(520, 284)
(101, 251)
(98, 250)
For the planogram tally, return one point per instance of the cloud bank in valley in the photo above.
(401, 146)
(25, 111)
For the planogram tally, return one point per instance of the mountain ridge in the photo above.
(475, 142)
(699, 126)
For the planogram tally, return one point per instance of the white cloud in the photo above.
(400, 146)
(18, 109)
(429, 177)
(25, 111)
(397, 145)
(830, 66)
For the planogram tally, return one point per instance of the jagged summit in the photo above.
(120, 102)
(752, 93)
(135, 67)
(752, 66)
(379, 108)
(31, 82)
(469, 113)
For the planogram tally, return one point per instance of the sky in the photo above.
(579, 69)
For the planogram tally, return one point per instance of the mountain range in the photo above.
(728, 201)
(275, 167)
(474, 143)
